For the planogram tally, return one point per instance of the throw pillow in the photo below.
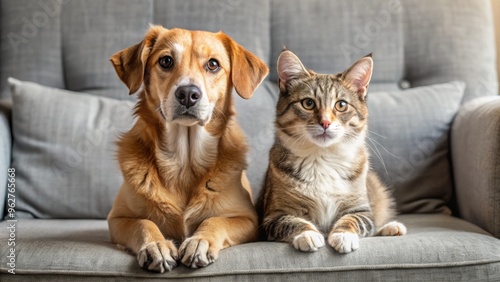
(64, 151)
(409, 144)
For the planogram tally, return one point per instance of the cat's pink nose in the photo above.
(325, 123)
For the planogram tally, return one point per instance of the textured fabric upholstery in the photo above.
(64, 151)
(476, 160)
(450, 40)
(435, 242)
(345, 34)
(256, 117)
(5, 150)
(410, 152)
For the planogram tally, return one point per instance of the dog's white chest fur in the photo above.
(192, 147)
(326, 178)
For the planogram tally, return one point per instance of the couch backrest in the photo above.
(67, 44)
(413, 42)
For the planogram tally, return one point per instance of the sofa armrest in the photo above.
(5, 150)
(475, 147)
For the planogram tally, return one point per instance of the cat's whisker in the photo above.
(300, 139)
(378, 143)
(376, 152)
(373, 132)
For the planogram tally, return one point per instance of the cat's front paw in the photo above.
(344, 242)
(309, 241)
(392, 228)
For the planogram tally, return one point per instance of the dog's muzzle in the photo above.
(191, 107)
(188, 96)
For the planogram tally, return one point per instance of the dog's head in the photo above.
(185, 74)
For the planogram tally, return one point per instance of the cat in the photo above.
(318, 180)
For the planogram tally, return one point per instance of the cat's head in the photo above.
(323, 109)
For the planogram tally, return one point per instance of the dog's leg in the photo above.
(143, 237)
(214, 234)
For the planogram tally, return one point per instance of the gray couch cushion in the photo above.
(5, 150)
(450, 40)
(328, 36)
(256, 117)
(475, 141)
(64, 151)
(437, 247)
(409, 141)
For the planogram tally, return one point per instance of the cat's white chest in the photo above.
(327, 184)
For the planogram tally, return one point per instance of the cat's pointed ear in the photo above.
(358, 76)
(290, 67)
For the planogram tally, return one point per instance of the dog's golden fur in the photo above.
(184, 181)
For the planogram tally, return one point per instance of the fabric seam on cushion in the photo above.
(496, 184)
(267, 271)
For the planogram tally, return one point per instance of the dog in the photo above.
(183, 161)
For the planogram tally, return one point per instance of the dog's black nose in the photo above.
(188, 95)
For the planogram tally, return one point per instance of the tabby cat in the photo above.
(319, 181)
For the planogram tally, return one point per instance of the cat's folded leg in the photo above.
(344, 236)
(393, 228)
(309, 241)
(344, 242)
(300, 233)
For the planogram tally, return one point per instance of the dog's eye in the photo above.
(213, 65)
(166, 62)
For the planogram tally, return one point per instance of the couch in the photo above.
(434, 132)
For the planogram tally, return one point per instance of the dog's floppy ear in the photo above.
(247, 70)
(130, 62)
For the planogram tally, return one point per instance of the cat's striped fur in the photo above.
(318, 181)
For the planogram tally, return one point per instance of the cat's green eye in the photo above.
(308, 104)
(341, 106)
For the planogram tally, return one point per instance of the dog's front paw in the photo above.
(158, 256)
(309, 241)
(344, 242)
(197, 252)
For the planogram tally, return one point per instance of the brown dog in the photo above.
(183, 161)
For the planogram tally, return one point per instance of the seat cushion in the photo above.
(437, 247)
